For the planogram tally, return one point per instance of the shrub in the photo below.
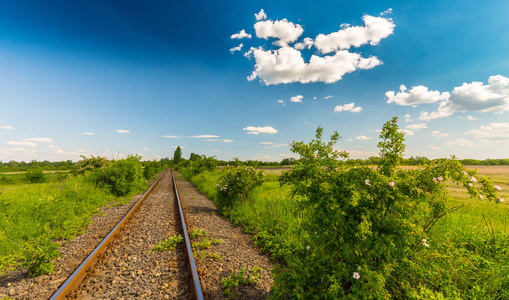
(236, 184)
(121, 176)
(37, 257)
(364, 223)
(34, 175)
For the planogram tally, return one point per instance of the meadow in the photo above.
(467, 255)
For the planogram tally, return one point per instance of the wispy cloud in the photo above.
(123, 131)
(88, 133)
(27, 144)
(494, 130)
(40, 140)
(205, 136)
(220, 140)
(171, 136)
(363, 138)
(6, 127)
(258, 130)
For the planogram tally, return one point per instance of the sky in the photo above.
(245, 78)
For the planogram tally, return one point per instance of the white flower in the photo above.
(473, 179)
(391, 183)
(498, 188)
(356, 275)
(501, 199)
(481, 196)
(367, 182)
(424, 242)
(307, 248)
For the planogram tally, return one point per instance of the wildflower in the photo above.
(434, 179)
(336, 169)
(391, 183)
(473, 179)
(395, 121)
(470, 184)
(307, 248)
(501, 199)
(268, 289)
(356, 275)
(481, 196)
(367, 182)
(440, 178)
(314, 154)
(325, 168)
(465, 172)
(424, 242)
(498, 188)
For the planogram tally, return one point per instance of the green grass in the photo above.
(468, 257)
(33, 215)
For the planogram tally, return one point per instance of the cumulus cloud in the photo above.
(475, 96)
(362, 138)
(374, 30)
(494, 130)
(347, 107)
(40, 140)
(297, 99)
(286, 65)
(407, 118)
(439, 134)
(261, 15)
(417, 126)
(88, 133)
(282, 102)
(258, 130)
(123, 131)
(282, 30)
(407, 132)
(21, 144)
(415, 96)
(6, 127)
(240, 35)
(238, 48)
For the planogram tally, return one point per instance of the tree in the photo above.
(177, 156)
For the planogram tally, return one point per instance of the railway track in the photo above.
(123, 265)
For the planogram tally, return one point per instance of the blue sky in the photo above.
(113, 78)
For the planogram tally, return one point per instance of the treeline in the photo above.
(14, 166)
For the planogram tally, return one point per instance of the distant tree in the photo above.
(194, 156)
(177, 156)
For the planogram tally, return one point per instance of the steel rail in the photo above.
(73, 282)
(195, 282)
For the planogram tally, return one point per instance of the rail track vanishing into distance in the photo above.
(102, 274)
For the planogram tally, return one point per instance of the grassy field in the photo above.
(469, 248)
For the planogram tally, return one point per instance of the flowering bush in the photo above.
(236, 184)
(365, 223)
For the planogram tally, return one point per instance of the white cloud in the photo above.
(220, 140)
(261, 15)
(15, 143)
(386, 12)
(6, 127)
(407, 132)
(407, 118)
(171, 136)
(439, 134)
(461, 143)
(363, 138)
(181, 147)
(417, 126)
(205, 136)
(40, 140)
(374, 30)
(307, 43)
(266, 143)
(21, 150)
(286, 65)
(474, 96)
(146, 148)
(347, 107)
(297, 99)
(494, 130)
(240, 35)
(417, 95)
(327, 97)
(58, 150)
(123, 131)
(88, 133)
(282, 30)
(258, 130)
(472, 118)
(238, 48)
(433, 147)
(282, 102)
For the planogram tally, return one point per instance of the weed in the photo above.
(240, 278)
(205, 244)
(214, 255)
(37, 257)
(197, 233)
(168, 244)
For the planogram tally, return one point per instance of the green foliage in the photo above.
(90, 164)
(7, 263)
(197, 233)
(241, 278)
(364, 223)
(177, 156)
(121, 176)
(168, 244)
(37, 257)
(34, 175)
(152, 168)
(205, 244)
(235, 185)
